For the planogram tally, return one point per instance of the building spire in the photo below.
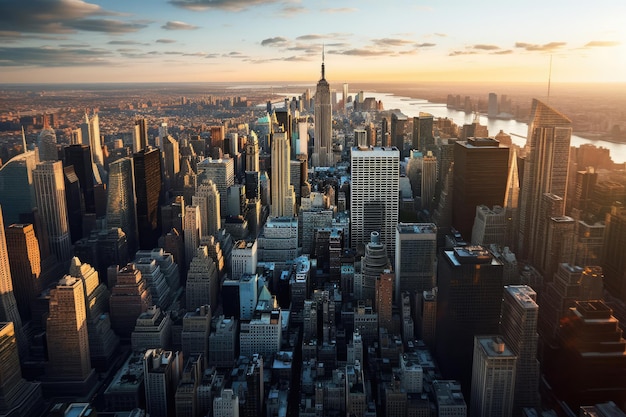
(323, 75)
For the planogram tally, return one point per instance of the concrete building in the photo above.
(202, 281)
(129, 299)
(152, 328)
(223, 343)
(493, 377)
(415, 257)
(244, 258)
(162, 370)
(374, 195)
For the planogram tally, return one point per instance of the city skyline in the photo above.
(60, 41)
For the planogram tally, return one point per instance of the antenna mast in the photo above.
(549, 79)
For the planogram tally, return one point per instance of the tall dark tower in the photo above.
(79, 156)
(423, 138)
(322, 153)
(614, 261)
(468, 304)
(147, 164)
(480, 174)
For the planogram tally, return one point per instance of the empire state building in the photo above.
(322, 153)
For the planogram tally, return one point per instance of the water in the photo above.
(518, 130)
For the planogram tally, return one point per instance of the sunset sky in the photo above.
(62, 41)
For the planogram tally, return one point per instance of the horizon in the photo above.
(267, 41)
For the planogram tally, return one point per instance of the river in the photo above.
(518, 130)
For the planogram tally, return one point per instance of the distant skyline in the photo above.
(77, 41)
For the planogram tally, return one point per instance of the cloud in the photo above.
(425, 45)
(178, 25)
(226, 5)
(484, 47)
(61, 16)
(441, 35)
(165, 41)
(594, 44)
(546, 47)
(276, 41)
(124, 42)
(339, 10)
(53, 57)
(458, 53)
(360, 52)
(293, 10)
(318, 36)
(105, 25)
(503, 52)
(391, 42)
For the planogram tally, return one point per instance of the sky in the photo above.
(78, 41)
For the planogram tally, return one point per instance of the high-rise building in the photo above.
(283, 197)
(208, 198)
(191, 228)
(223, 342)
(162, 370)
(152, 328)
(226, 404)
(427, 316)
(345, 98)
(493, 377)
(66, 332)
(449, 399)
(490, 226)
(140, 135)
(47, 144)
(196, 331)
(518, 326)
(511, 202)
(468, 304)
(8, 305)
(17, 192)
(79, 156)
(129, 299)
(384, 299)
(19, 397)
(25, 262)
(545, 171)
(252, 153)
(261, 334)
(170, 154)
(74, 203)
(243, 258)
(423, 138)
(614, 260)
(121, 200)
(428, 181)
(374, 195)
(480, 173)
(416, 256)
(374, 262)
(50, 195)
(222, 173)
(492, 105)
(322, 153)
(95, 142)
(202, 280)
(147, 166)
(398, 130)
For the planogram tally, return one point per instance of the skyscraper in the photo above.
(8, 305)
(423, 138)
(66, 332)
(25, 262)
(283, 197)
(429, 180)
(416, 256)
(19, 397)
(493, 377)
(147, 165)
(545, 171)
(252, 152)
(191, 228)
(518, 326)
(161, 372)
(140, 135)
(373, 263)
(130, 298)
(384, 299)
(47, 144)
(468, 304)
(398, 127)
(121, 200)
(374, 195)
(170, 154)
(202, 280)
(79, 156)
(50, 196)
(207, 198)
(322, 153)
(345, 98)
(492, 105)
(614, 260)
(222, 173)
(17, 193)
(480, 173)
